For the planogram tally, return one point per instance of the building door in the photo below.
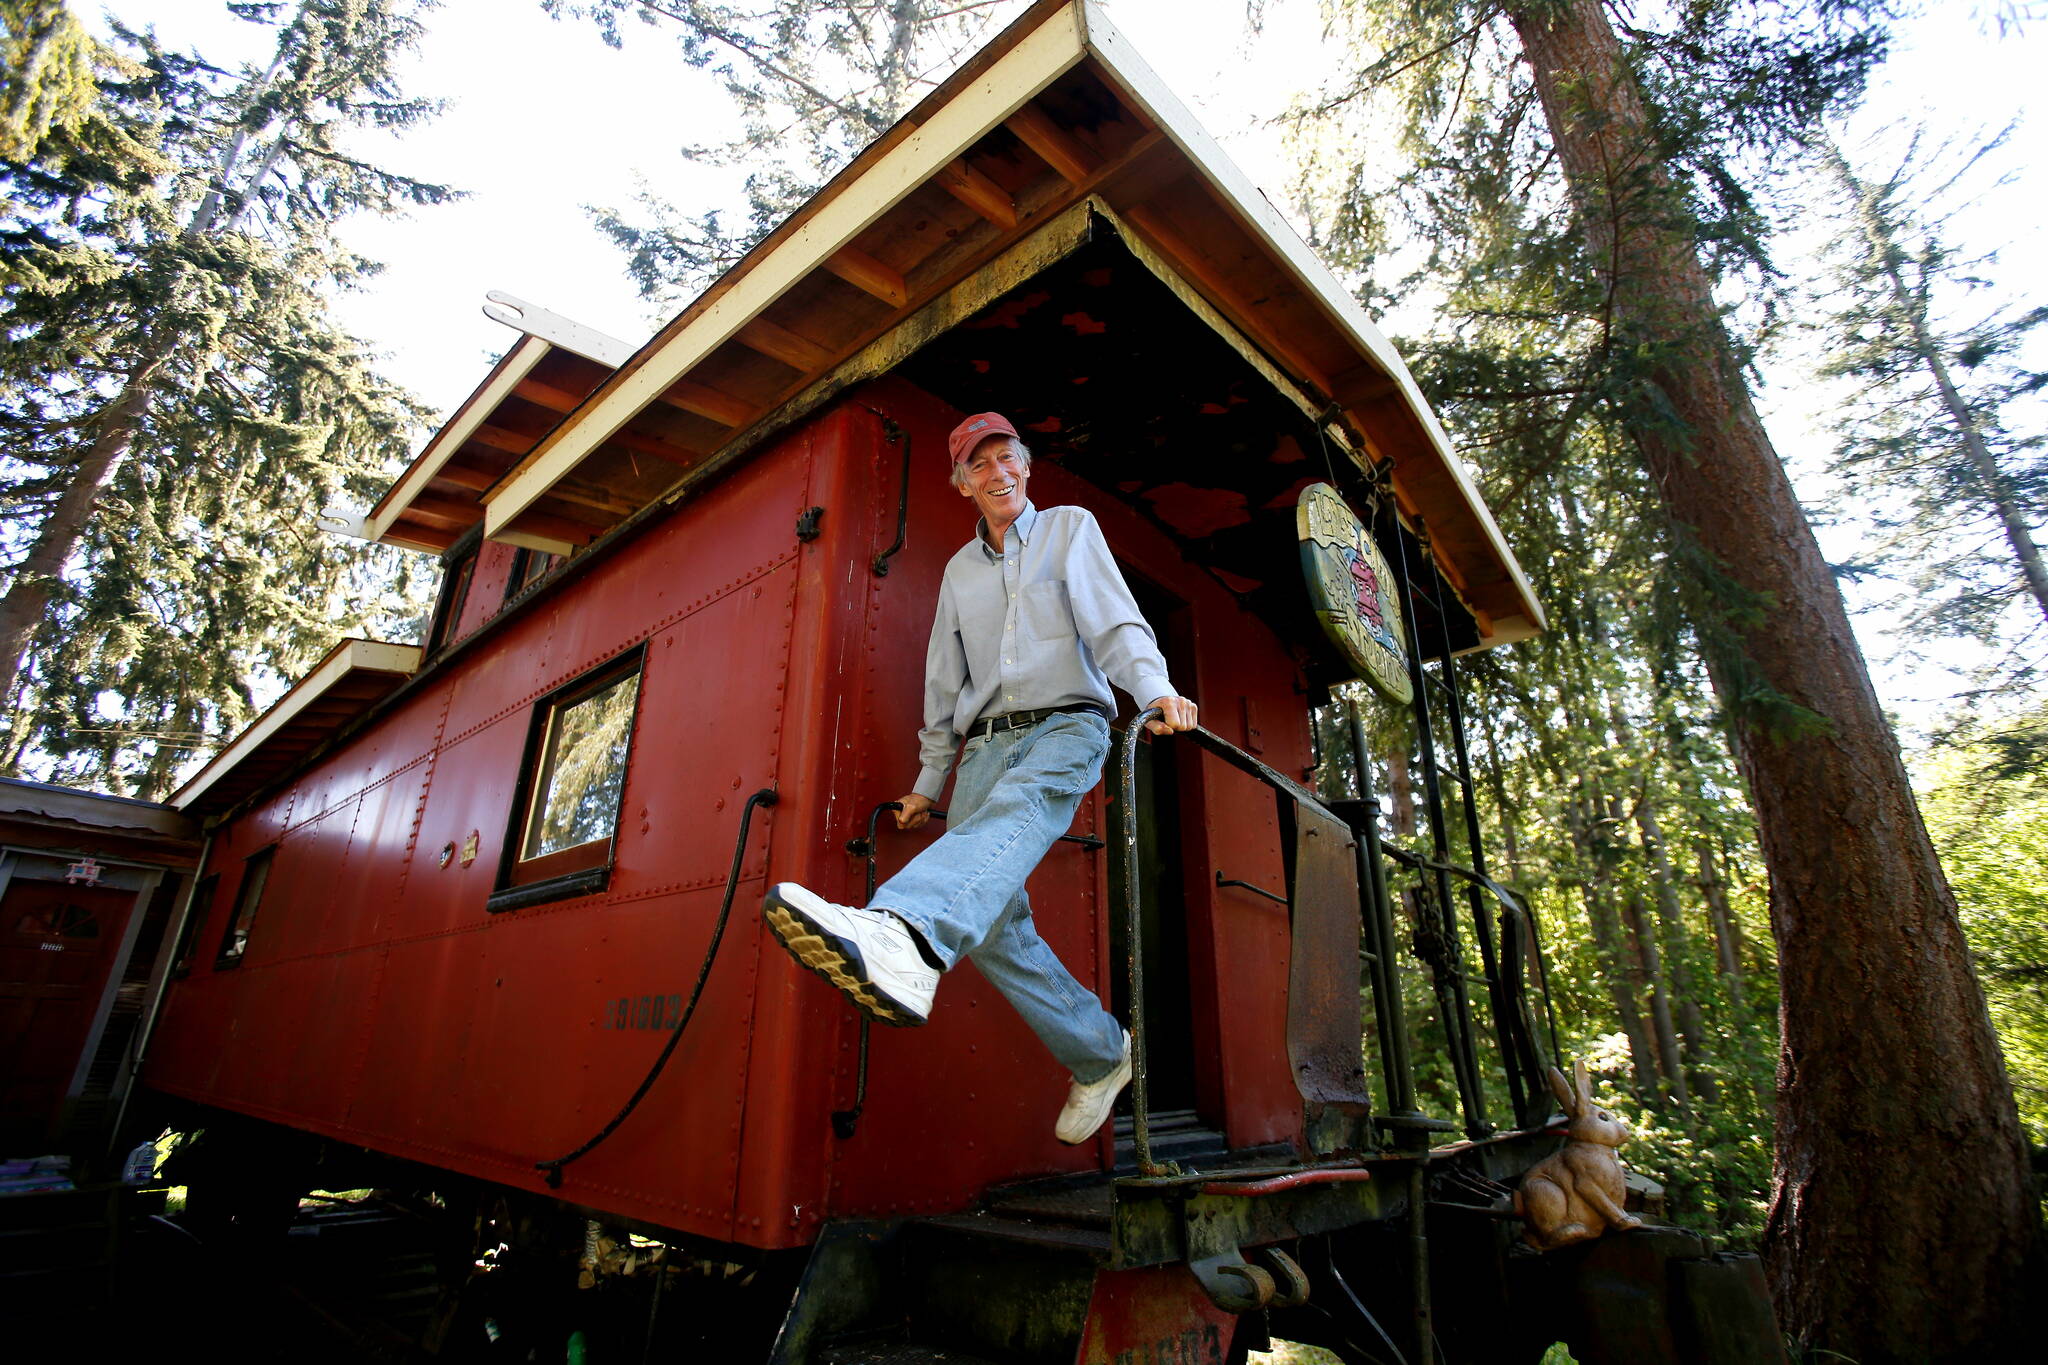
(62, 945)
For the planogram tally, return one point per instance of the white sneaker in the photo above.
(1088, 1106)
(869, 954)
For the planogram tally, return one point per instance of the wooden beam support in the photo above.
(706, 401)
(553, 397)
(978, 192)
(465, 476)
(1204, 275)
(641, 444)
(1055, 146)
(1363, 384)
(869, 275)
(586, 494)
(419, 535)
(777, 342)
(447, 511)
(502, 438)
(547, 526)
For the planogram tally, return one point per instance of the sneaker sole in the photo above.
(822, 953)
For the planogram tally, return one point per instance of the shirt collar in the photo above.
(1023, 525)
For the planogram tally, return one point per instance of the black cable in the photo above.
(764, 797)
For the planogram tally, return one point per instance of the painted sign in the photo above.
(1351, 589)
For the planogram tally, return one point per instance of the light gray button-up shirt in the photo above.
(1039, 625)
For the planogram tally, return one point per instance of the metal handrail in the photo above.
(1141, 1135)
(1512, 908)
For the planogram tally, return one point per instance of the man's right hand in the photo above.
(916, 810)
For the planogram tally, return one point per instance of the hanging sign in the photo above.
(1352, 591)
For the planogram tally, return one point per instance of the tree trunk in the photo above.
(1510, 812)
(1692, 1023)
(1614, 958)
(42, 569)
(1400, 792)
(1727, 933)
(1890, 1079)
(1650, 980)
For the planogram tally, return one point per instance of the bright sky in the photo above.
(544, 119)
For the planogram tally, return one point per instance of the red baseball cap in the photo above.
(974, 431)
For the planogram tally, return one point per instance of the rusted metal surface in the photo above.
(1324, 1027)
(1159, 1314)
(1293, 1180)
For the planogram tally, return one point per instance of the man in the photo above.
(1033, 621)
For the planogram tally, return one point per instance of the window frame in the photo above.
(458, 572)
(243, 917)
(582, 868)
(529, 566)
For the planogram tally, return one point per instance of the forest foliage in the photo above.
(177, 403)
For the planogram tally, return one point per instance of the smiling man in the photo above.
(1034, 622)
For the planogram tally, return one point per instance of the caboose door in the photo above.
(1169, 1002)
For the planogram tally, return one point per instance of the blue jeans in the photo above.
(1014, 794)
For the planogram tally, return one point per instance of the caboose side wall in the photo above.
(968, 1100)
(381, 1004)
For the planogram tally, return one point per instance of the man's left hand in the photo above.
(1177, 713)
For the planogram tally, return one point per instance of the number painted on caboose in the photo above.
(641, 1012)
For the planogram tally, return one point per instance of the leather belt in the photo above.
(1018, 720)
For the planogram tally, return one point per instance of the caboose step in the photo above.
(1175, 1135)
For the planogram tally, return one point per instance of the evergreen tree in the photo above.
(1990, 822)
(813, 84)
(1957, 495)
(47, 64)
(176, 402)
(1594, 186)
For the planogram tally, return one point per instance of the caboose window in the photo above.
(255, 875)
(528, 567)
(448, 607)
(575, 777)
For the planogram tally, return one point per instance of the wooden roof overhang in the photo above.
(353, 677)
(547, 374)
(983, 181)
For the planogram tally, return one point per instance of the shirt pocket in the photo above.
(1045, 614)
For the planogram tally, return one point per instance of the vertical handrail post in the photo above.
(1393, 1026)
(1455, 1004)
(1506, 1025)
(1127, 798)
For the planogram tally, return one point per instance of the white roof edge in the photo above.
(352, 655)
(517, 362)
(1180, 125)
(1011, 82)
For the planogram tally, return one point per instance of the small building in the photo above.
(88, 887)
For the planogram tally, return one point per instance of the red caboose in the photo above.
(490, 905)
